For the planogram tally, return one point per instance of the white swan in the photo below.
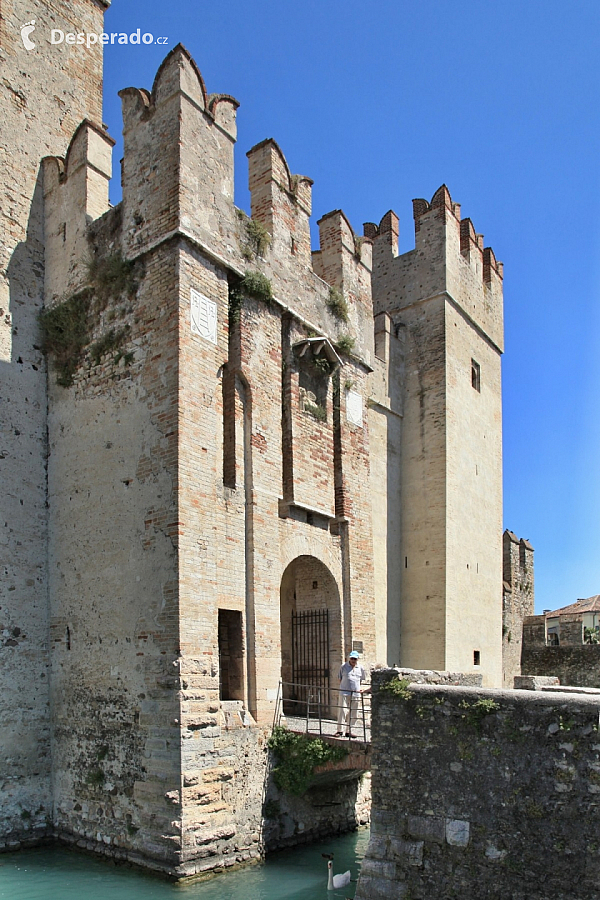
(336, 881)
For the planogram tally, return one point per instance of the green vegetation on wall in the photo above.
(346, 344)
(397, 687)
(256, 239)
(337, 305)
(254, 285)
(65, 334)
(296, 758)
(315, 410)
(68, 326)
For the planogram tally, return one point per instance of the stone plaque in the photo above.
(204, 316)
(354, 408)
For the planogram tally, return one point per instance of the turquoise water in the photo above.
(298, 874)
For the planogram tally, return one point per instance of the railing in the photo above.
(324, 711)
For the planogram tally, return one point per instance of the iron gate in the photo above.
(310, 657)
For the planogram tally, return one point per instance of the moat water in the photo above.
(298, 874)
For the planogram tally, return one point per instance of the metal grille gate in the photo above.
(310, 656)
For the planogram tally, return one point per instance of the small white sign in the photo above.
(204, 316)
(354, 408)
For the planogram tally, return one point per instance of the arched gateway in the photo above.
(311, 633)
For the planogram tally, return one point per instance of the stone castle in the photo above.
(236, 460)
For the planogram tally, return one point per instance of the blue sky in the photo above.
(383, 103)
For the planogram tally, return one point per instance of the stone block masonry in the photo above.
(483, 793)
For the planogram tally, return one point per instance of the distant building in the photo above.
(565, 643)
(578, 623)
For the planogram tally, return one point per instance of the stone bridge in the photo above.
(356, 763)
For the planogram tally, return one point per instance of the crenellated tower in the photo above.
(445, 301)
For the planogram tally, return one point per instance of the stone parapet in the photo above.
(511, 809)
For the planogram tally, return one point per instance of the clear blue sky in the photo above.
(382, 103)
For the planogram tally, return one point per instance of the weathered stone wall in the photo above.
(517, 602)
(483, 793)
(328, 809)
(114, 570)
(44, 95)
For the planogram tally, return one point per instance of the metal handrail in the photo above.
(313, 706)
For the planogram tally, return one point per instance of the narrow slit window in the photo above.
(476, 657)
(475, 375)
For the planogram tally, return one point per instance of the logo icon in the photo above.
(25, 32)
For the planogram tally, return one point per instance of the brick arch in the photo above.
(322, 546)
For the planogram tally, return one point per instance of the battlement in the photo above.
(517, 561)
(344, 260)
(75, 193)
(386, 232)
(178, 157)
(341, 252)
(440, 201)
(179, 74)
(177, 176)
(471, 243)
(449, 258)
(282, 202)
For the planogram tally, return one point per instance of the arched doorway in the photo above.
(311, 633)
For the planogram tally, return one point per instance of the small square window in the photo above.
(476, 657)
(475, 375)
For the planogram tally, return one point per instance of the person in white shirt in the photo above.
(351, 675)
